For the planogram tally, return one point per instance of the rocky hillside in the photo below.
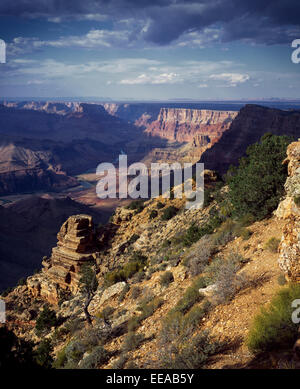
(250, 124)
(206, 276)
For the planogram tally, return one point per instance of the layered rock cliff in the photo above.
(76, 246)
(251, 123)
(185, 125)
(289, 210)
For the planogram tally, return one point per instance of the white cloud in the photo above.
(94, 39)
(90, 17)
(231, 79)
(35, 82)
(163, 78)
(50, 68)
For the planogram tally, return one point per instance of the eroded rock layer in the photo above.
(289, 248)
(76, 246)
(185, 125)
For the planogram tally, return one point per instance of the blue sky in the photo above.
(159, 49)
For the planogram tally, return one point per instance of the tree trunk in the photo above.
(85, 308)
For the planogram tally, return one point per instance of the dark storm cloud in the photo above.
(260, 21)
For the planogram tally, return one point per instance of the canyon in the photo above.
(58, 235)
(129, 232)
(44, 145)
(48, 148)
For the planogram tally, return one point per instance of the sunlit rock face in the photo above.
(289, 209)
(76, 246)
(185, 125)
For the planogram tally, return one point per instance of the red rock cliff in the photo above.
(185, 125)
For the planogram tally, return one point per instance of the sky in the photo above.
(150, 49)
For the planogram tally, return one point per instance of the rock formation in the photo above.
(76, 246)
(185, 125)
(289, 248)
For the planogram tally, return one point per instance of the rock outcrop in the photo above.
(76, 246)
(289, 248)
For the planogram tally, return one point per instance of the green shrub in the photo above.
(208, 198)
(113, 277)
(246, 220)
(162, 266)
(198, 257)
(46, 320)
(132, 341)
(137, 205)
(106, 313)
(196, 314)
(136, 292)
(192, 353)
(43, 354)
(59, 335)
(130, 269)
(133, 238)
(273, 328)
(123, 293)
(245, 233)
(120, 362)
(147, 309)
(169, 213)
(160, 205)
(74, 351)
(22, 281)
(281, 280)
(272, 245)
(136, 264)
(166, 278)
(133, 323)
(192, 235)
(262, 164)
(6, 292)
(138, 277)
(166, 243)
(225, 233)
(73, 325)
(153, 214)
(98, 357)
(297, 201)
(190, 297)
(61, 359)
(223, 273)
(180, 348)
